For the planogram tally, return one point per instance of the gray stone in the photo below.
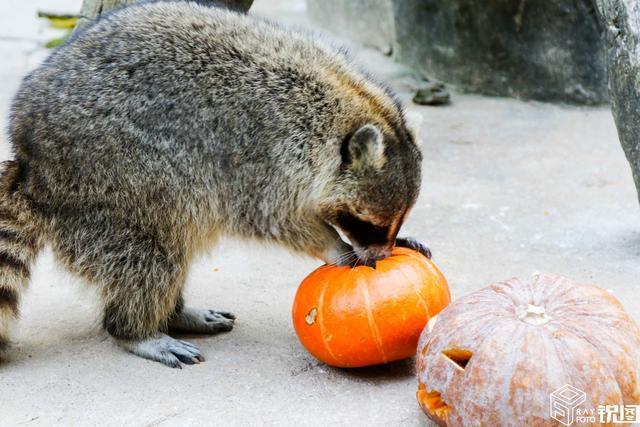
(621, 20)
(545, 50)
(431, 93)
(369, 22)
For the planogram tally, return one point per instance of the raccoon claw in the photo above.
(202, 321)
(410, 243)
(164, 349)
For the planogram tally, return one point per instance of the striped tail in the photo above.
(20, 242)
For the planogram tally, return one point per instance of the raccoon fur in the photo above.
(165, 125)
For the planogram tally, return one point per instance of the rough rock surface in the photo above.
(544, 50)
(621, 20)
(367, 21)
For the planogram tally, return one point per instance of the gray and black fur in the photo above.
(165, 125)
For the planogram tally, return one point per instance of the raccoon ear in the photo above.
(365, 148)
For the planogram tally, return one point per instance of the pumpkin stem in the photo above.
(533, 314)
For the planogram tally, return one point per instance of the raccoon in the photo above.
(165, 125)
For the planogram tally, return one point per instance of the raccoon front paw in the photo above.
(164, 349)
(202, 321)
(408, 242)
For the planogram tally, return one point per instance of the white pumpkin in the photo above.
(494, 357)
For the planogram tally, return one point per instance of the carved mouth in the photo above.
(432, 402)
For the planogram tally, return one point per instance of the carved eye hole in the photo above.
(458, 356)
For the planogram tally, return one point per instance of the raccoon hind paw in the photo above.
(164, 349)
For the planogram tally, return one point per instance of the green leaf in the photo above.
(58, 40)
(59, 21)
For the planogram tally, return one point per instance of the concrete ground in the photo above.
(510, 188)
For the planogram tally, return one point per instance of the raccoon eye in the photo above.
(362, 232)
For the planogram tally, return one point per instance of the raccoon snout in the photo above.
(368, 256)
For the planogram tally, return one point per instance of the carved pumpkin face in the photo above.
(495, 356)
(352, 317)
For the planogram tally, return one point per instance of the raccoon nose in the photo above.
(375, 253)
(369, 262)
(386, 251)
(381, 252)
(370, 259)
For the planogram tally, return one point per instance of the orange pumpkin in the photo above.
(504, 354)
(352, 317)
